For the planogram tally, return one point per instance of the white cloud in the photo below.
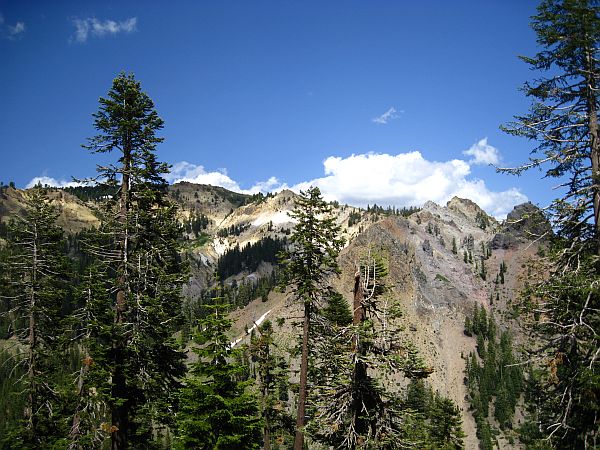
(92, 26)
(483, 153)
(44, 180)
(16, 29)
(185, 171)
(383, 119)
(407, 179)
(403, 179)
(12, 32)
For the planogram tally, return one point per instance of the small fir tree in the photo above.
(271, 371)
(216, 408)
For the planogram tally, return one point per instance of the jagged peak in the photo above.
(286, 193)
(470, 210)
(526, 222)
(430, 206)
(466, 206)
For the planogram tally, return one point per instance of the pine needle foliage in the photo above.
(563, 122)
(308, 264)
(354, 406)
(563, 117)
(136, 303)
(272, 380)
(216, 408)
(38, 275)
(497, 382)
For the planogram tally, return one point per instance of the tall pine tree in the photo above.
(142, 273)
(311, 259)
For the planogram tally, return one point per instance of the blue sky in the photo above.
(374, 101)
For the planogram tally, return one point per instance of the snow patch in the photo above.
(220, 246)
(277, 218)
(256, 325)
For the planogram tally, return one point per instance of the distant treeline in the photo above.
(249, 257)
(392, 210)
(376, 211)
(92, 193)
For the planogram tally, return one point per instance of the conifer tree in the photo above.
(216, 410)
(337, 310)
(311, 259)
(354, 409)
(38, 274)
(563, 118)
(446, 425)
(142, 273)
(563, 123)
(273, 385)
(90, 423)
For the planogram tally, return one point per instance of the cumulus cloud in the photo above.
(407, 179)
(383, 119)
(403, 179)
(483, 153)
(11, 32)
(98, 28)
(185, 171)
(44, 180)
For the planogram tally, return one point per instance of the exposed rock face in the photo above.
(469, 209)
(427, 247)
(524, 223)
(437, 288)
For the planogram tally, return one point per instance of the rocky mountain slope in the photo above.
(73, 214)
(438, 259)
(442, 261)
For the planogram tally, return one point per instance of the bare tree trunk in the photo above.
(120, 416)
(120, 413)
(265, 395)
(123, 212)
(301, 417)
(594, 146)
(32, 339)
(267, 435)
(357, 308)
(360, 370)
(75, 432)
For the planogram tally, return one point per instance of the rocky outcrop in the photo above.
(469, 209)
(526, 222)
